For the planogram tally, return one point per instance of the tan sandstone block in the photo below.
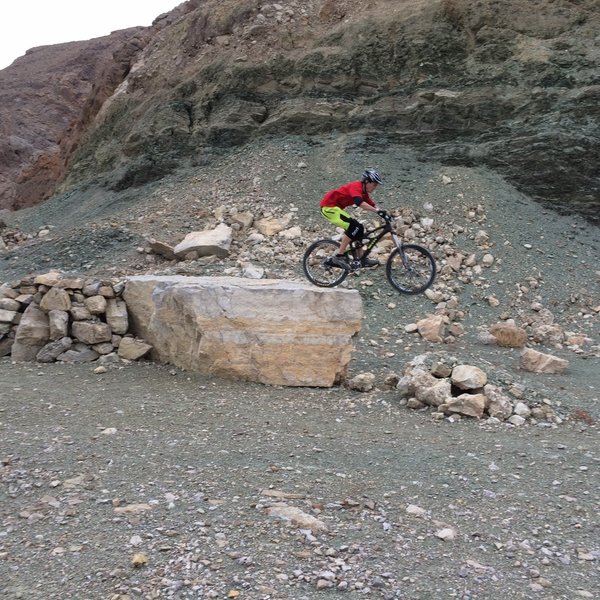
(508, 335)
(269, 331)
(538, 362)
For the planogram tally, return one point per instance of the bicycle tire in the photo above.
(416, 274)
(316, 268)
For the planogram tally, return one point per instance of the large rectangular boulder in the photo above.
(275, 332)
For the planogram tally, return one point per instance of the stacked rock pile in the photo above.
(464, 390)
(52, 317)
(453, 390)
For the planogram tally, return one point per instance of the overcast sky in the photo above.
(25, 24)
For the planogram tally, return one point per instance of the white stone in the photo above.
(48, 279)
(215, 242)
(8, 316)
(116, 316)
(499, 405)
(363, 382)
(488, 260)
(470, 405)
(253, 272)
(9, 304)
(297, 518)
(538, 362)
(432, 328)
(507, 334)
(293, 233)
(133, 349)
(56, 299)
(32, 334)
(435, 395)
(91, 333)
(427, 223)
(95, 304)
(270, 226)
(256, 238)
(416, 511)
(447, 534)
(468, 377)
(59, 324)
(522, 410)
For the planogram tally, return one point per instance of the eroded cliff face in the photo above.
(47, 100)
(512, 85)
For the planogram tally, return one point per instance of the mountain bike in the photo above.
(410, 268)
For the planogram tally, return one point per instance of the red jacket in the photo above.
(346, 195)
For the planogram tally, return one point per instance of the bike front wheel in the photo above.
(317, 264)
(411, 270)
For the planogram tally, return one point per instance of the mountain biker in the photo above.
(332, 208)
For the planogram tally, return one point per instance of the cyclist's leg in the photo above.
(355, 232)
(340, 218)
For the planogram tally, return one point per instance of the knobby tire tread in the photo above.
(394, 264)
(311, 264)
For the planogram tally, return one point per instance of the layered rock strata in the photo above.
(269, 331)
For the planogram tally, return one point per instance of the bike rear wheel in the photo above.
(317, 266)
(412, 270)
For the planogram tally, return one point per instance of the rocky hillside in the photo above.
(49, 99)
(242, 129)
(238, 116)
(456, 81)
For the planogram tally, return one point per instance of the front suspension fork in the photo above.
(398, 244)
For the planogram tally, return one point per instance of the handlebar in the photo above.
(385, 216)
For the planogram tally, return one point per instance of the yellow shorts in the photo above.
(340, 218)
(336, 216)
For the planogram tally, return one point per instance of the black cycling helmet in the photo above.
(371, 175)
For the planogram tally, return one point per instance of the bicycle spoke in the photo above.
(317, 266)
(412, 271)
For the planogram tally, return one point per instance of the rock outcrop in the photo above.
(268, 331)
(461, 81)
(49, 100)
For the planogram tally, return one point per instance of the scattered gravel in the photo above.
(147, 482)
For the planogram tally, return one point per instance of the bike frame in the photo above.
(372, 236)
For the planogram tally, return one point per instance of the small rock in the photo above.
(297, 517)
(139, 559)
(364, 382)
(416, 511)
(468, 377)
(132, 509)
(538, 362)
(447, 534)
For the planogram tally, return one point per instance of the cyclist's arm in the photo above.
(359, 201)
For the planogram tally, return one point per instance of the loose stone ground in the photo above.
(148, 482)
